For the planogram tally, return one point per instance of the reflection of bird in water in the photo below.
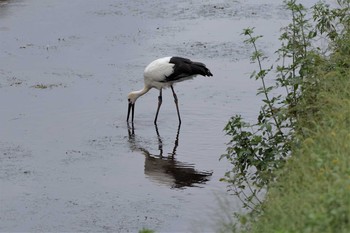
(166, 169)
(163, 73)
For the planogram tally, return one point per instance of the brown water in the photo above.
(69, 161)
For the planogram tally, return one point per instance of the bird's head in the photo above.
(132, 97)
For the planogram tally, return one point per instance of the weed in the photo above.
(257, 149)
(287, 122)
(144, 230)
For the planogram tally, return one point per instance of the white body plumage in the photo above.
(156, 72)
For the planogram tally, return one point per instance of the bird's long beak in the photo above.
(131, 107)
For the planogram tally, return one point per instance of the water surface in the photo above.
(69, 160)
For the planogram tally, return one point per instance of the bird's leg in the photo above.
(160, 142)
(176, 103)
(159, 104)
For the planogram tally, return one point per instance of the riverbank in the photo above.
(312, 193)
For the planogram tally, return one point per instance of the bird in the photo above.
(163, 73)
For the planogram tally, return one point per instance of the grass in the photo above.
(144, 230)
(312, 193)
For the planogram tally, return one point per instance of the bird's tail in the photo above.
(201, 69)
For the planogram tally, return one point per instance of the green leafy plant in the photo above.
(257, 150)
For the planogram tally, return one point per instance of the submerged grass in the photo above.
(312, 193)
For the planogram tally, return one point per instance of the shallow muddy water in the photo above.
(70, 162)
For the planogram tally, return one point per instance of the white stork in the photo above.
(163, 73)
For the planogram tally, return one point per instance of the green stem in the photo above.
(264, 87)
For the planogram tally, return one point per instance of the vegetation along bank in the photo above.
(298, 150)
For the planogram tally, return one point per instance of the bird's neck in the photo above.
(143, 91)
(137, 94)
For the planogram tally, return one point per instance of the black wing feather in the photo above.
(184, 67)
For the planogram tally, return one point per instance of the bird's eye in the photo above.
(129, 100)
